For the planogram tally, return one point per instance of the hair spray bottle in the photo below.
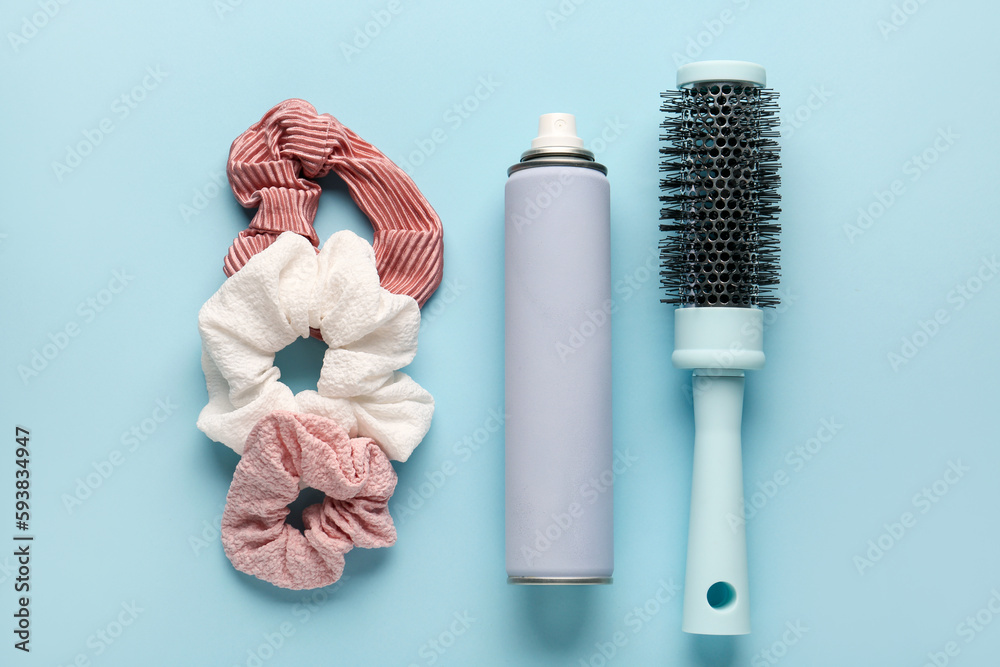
(559, 518)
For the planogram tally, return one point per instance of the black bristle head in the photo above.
(720, 202)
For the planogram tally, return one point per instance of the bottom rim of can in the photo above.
(560, 581)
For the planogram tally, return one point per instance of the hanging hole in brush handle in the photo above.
(716, 598)
(721, 594)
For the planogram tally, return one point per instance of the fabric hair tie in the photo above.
(363, 302)
(355, 475)
(265, 167)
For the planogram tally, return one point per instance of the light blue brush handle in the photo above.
(716, 595)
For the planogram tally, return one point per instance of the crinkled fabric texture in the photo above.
(275, 298)
(283, 450)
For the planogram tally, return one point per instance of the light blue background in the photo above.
(858, 104)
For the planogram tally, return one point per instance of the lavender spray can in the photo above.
(558, 457)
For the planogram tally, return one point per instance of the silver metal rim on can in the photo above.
(559, 581)
(557, 156)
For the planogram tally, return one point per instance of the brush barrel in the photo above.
(719, 344)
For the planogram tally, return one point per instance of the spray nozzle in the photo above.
(557, 129)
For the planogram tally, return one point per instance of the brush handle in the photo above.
(716, 600)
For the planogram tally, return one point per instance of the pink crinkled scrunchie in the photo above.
(356, 476)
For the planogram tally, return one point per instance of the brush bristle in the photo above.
(720, 206)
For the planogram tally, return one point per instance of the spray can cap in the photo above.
(557, 145)
(557, 129)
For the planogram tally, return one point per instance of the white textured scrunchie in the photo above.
(275, 298)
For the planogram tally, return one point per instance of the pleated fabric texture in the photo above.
(270, 166)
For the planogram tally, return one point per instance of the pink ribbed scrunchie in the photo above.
(357, 478)
(265, 163)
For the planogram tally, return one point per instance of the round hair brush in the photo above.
(719, 265)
